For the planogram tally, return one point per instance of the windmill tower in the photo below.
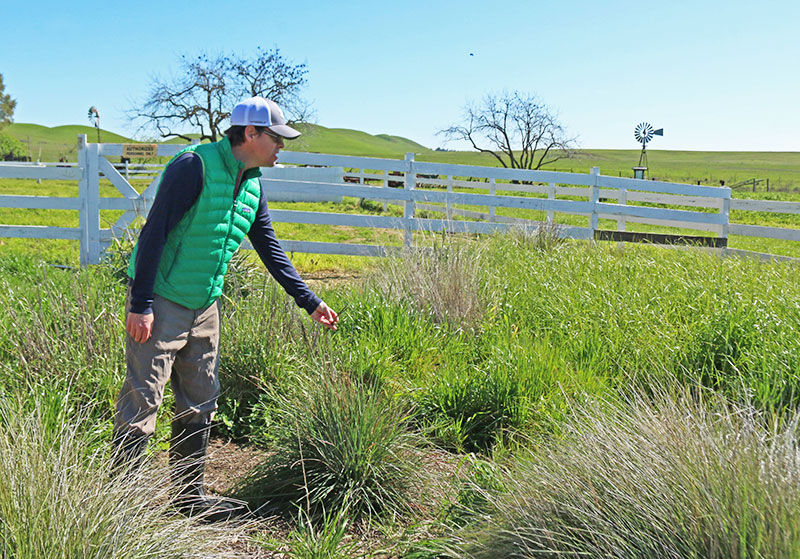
(644, 133)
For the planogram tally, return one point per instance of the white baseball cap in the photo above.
(259, 111)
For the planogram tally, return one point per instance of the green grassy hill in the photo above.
(343, 141)
(781, 168)
(54, 142)
(49, 144)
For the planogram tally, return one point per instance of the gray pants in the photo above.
(183, 348)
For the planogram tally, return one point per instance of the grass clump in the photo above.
(57, 499)
(337, 443)
(326, 538)
(677, 478)
(444, 281)
(469, 410)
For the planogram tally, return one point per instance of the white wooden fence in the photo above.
(465, 197)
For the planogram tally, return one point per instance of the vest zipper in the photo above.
(230, 224)
(238, 185)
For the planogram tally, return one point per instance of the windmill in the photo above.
(94, 118)
(644, 133)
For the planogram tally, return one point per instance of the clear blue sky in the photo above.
(716, 75)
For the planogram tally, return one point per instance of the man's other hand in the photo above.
(139, 326)
(325, 316)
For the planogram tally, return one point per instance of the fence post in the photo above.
(594, 220)
(492, 192)
(622, 199)
(408, 211)
(448, 206)
(725, 210)
(385, 185)
(83, 188)
(551, 195)
(93, 203)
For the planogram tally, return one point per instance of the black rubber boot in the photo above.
(187, 458)
(127, 452)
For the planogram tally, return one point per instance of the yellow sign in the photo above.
(139, 150)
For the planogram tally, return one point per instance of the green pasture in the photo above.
(477, 397)
(50, 144)
(513, 395)
(690, 167)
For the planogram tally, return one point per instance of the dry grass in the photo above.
(445, 281)
(58, 499)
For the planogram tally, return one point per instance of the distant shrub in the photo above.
(11, 149)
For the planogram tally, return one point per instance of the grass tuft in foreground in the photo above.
(337, 443)
(678, 478)
(58, 500)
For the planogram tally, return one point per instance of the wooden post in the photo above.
(408, 210)
(622, 199)
(551, 195)
(725, 210)
(385, 185)
(594, 219)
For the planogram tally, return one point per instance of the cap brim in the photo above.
(284, 131)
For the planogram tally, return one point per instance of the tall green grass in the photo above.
(674, 478)
(58, 500)
(338, 443)
(61, 331)
(474, 345)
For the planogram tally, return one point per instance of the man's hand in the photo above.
(325, 316)
(139, 326)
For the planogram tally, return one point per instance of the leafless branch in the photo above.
(205, 88)
(518, 130)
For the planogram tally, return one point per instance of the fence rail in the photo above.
(536, 196)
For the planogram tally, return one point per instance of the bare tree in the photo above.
(270, 75)
(200, 96)
(515, 128)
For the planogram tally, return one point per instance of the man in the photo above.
(208, 199)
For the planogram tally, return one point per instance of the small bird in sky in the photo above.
(472, 54)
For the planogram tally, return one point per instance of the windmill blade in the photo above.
(643, 133)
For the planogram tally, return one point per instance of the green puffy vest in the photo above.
(196, 255)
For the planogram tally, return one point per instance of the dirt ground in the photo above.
(229, 462)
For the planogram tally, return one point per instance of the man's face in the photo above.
(266, 146)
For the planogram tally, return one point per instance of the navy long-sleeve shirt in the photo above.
(179, 189)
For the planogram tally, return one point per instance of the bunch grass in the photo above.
(59, 500)
(670, 477)
(338, 443)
